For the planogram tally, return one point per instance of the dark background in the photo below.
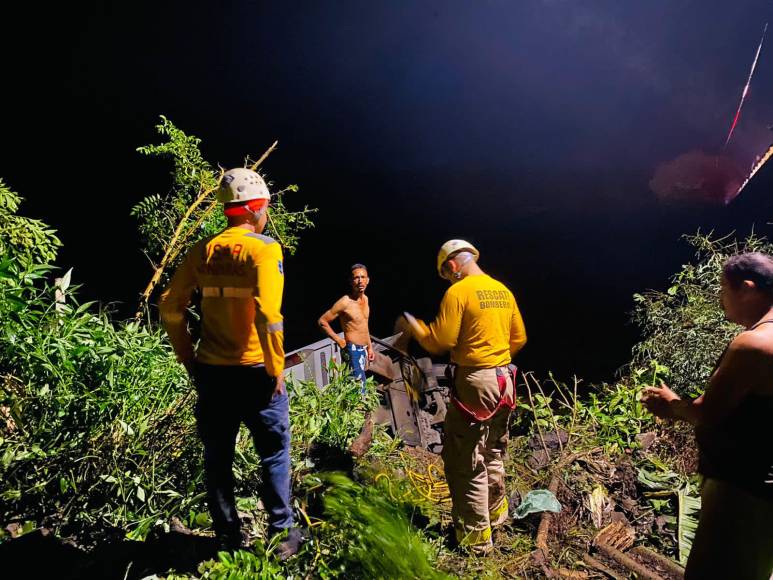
(530, 128)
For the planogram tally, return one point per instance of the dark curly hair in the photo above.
(754, 266)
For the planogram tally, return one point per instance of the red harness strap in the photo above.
(504, 398)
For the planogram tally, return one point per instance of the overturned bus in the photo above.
(413, 392)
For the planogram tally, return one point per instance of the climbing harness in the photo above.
(504, 399)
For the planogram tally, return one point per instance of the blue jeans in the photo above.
(356, 356)
(228, 396)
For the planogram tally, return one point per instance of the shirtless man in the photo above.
(732, 422)
(353, 311)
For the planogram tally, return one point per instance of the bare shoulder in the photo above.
(754, 342)
(344, 304)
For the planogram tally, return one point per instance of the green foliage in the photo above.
(374, 539)
(615, 410)
(687, 520)
(95, 417)
(191, 170)
(96, 420)
(363, 534)
(542, 413)
(332, 416)
(241, 564)
(673, 494)
(384, 444)
(286, 225)
(684, 328)
(161, 216)
(96, 425)
(21, 238)
(609, 416)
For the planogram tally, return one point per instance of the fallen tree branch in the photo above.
(541, 540)
(175, 243)
(268, 152)
(640, 570)
(603, 568)
(658, 559)
(171, 247)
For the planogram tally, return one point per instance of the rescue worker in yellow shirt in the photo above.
(479, 322)
(238, 364)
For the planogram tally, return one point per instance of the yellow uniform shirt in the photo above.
(478, 321)
(241, 278)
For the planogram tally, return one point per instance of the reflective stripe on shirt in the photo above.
(276, 327)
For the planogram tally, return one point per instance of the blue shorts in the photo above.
(356, 356)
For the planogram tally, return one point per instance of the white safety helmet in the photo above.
(452, 247)
(241, 185)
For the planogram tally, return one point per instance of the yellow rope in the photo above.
(429, 486)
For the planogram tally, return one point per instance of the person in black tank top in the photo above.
(733, 421)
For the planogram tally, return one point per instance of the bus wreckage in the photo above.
(413, 392)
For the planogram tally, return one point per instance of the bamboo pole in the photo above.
(145, 297)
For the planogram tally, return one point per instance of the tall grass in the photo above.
(331, 417)
(98, 422)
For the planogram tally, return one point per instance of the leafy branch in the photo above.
(684, 328)
(170, 224)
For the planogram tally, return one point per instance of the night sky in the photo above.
(531, 128)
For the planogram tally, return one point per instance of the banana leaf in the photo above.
(687, 521)
(658, 479)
